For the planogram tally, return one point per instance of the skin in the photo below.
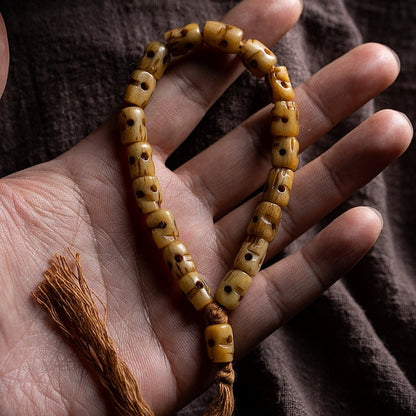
(82, 200)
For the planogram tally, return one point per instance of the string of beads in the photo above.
(262, 228)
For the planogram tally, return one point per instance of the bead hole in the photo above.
(199, 284)
(284, 84)
(144, 86)
(211, 342)
(132, 160)
(178, 258)
(144, 156)
(153, 188)
(228, 289)
(284, 119)
(150, 54)
(282, 152)
(162, 225)
(140, 194)
(248, 256)
(223, 44)
(229, 339)
(130, 122)
(281, 188)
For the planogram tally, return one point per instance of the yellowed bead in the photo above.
(285, 152)
(219, 339)
(178, 259)
(155, 59)
(257, 58)
(232, 288)
(251, 255)
(182, 40)
(147, 193)
(196, 290)
(139, 156)
(140, 88)
(265, 221)
(278, 186)
(285, 119)
(280, 86)
(163, 227)
(225, 37)
(132, 122)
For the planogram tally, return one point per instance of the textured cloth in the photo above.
(352, 352)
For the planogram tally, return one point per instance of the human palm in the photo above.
(82, 200)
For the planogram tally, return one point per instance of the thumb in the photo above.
(4, 55)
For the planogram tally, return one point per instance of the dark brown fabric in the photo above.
(353, 352)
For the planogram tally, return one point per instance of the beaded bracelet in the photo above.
(265, 220)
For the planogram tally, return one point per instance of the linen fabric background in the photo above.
(353, 351)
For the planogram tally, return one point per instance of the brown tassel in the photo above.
(69, 301)
(223, 403)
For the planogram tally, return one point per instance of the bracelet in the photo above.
(262, 228)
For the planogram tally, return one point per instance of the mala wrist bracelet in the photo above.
(264, 222)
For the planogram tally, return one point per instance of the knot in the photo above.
(225, 375)
(215, 314)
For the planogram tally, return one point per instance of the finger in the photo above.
(326, 98)
(189, 88)
(4, 55)
(282, 290)
(327, 181)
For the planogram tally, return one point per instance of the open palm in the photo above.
(82, 200)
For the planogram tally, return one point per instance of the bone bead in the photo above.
(257, 58)
(155, 59)
(285, 152)
(232, 288)
(221, 36)
(279, 83)
(139, 156)
(140, 88)
(285, 119)
(251, 255)
(182, 40)
(163, 227)
(265, 221)
(147, 193)
(196, 290)
(278, 186)
(178, 259)
(220, 343)
(132, 122)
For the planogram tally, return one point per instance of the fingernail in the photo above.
(408, 120)
(376, 211)
(396, 57)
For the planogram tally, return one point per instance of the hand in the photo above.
(82, 200)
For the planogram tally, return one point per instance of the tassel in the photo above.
(223, 403)
(70, 302)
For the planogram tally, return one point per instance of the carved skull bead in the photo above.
(285, 119)
(234, 285)
(219, 339)
(257, 58)
(140, 88)
(178, 259)
(225, 37)
(265, 221)
(251, 255)
(196, 290)
(285, 152)
(278, 186)
(279, 83)
(140, 160)
(155, 59)
(132, 123)
(182, 40)
(163, 227)
(147, 193)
